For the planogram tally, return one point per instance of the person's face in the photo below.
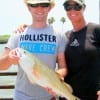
(74, 11)
(40, 11)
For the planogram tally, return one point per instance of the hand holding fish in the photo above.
(98, 93)
(13, 57)
(50, 91)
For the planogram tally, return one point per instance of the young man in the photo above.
(82, 53)
(41, 40)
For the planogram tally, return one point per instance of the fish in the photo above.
(39, 73)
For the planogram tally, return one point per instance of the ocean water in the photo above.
(7, 79)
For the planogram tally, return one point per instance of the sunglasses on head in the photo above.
(39, 5)
(69, 7)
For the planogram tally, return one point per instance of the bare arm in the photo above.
(62, 67)
(8, 58)
(98, 94)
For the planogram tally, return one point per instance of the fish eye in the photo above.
(24, 52)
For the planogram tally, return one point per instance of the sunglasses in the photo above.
(39, 5)
(69, 7)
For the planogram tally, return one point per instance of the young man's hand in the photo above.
(50, 91)
(13, 57)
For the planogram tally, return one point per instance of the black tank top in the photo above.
(83, 59)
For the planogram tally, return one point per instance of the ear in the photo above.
(50, 8)
(84, 6)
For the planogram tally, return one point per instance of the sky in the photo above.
(14, 13)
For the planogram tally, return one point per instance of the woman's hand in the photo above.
(21, 28)
(98, 93)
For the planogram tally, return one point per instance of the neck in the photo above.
(79, 25)
(39, 24)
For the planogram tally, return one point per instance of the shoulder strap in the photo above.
(68, 33)
(91, 27)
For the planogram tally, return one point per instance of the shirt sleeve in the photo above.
(96, 34)
(62, 43)
(13, 41)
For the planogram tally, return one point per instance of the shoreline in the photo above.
(3, 42)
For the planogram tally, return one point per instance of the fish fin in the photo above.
(31, 79)
(60, 77)
(36, 74)
(69, 87)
